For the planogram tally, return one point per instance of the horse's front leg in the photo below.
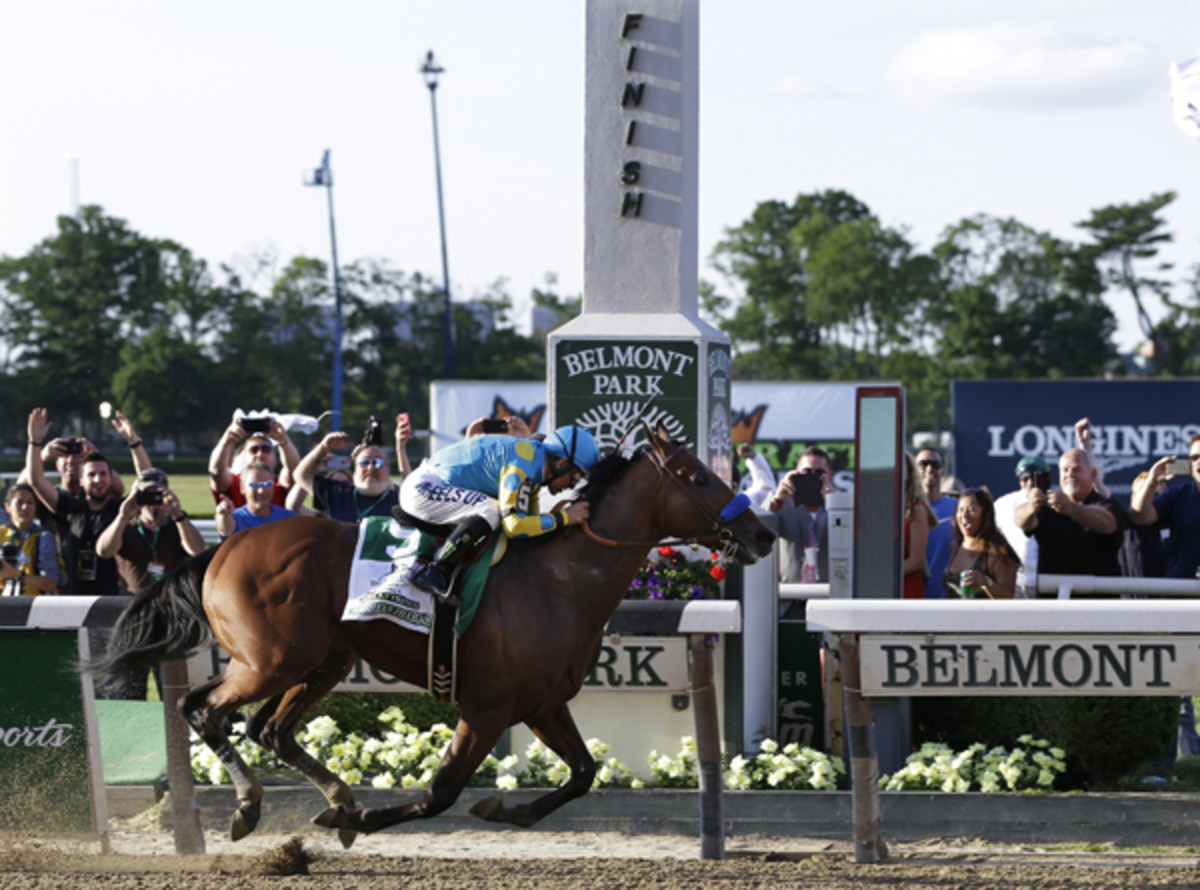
(557, 729)
(472, 742)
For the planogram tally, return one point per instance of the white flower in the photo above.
(384, 780)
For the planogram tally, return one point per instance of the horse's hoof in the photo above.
(488, 809)
(245, 818)
(331, 817)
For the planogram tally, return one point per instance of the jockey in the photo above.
(487, 481)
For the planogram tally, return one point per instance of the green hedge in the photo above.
(1105, 738)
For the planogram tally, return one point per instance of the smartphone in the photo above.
(1042, 481)
(808, 489)
(72, 446)
(256, 424)
(1180, 467)
(495, 426)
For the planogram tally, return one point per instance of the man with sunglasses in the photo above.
(931, 465)
(255, 447)
(371, 493)
(259, 482)
(486, 482)
(1176, 510)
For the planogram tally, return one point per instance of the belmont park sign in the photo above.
(930, 665)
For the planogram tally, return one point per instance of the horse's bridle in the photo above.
(721, 537)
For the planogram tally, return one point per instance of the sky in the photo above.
(196, 121)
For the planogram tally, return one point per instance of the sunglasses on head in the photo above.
(376, 462)
(266, 483)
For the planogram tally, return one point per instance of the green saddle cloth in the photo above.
(378, 540)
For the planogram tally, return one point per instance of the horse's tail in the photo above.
(163, 622)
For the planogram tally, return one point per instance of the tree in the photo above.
(1123, 235)
(1019, 303)
(80, 296)
(764, 260)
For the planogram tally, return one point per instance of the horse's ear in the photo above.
(658, 438)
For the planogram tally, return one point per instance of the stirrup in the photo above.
(433, 580)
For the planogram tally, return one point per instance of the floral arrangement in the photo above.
(1032, 765)
(673, 573)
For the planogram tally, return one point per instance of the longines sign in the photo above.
(975, 664)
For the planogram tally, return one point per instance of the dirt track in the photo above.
(143, 857)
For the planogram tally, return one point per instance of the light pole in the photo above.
(323, 175)
(430, 71)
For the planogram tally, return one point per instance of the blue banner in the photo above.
(1134, 423)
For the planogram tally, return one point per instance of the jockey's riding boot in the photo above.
(467, 541)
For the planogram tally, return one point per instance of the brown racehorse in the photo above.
(273, 597)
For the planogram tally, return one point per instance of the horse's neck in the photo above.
(628, 514)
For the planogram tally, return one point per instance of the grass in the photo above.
(194, 494)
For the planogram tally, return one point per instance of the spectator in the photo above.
(931, 465)
(980, 558)
(149, 537)
(1175, 510)
(371, 492)
(803, 528)
(1078, 531)
(151, 534)
(919, 518)
(30, 558)
(1032, 472)
(258, 479)
(758, 483)
(255, 447)
(85, 515)
(1151, 538)
(68, 454)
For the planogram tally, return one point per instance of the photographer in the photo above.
(253, 439)
(799, 501)
(85, 516)
(371, 492)
(151, 533)
(30, 563)
(1078, 531)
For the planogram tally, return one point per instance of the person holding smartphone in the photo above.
(371, 491)
(247, 440)
(1176, 510)
(799, 502)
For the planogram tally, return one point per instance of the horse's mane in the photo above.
(603, 475)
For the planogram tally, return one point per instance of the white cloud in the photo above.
(805, 89)
(1018, 65)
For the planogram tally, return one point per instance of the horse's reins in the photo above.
(721, 533)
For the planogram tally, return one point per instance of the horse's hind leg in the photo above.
(274, 727)
(558, 731)
(208, 718)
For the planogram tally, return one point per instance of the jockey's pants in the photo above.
(426, 496)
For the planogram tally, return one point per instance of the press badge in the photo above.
(156, 570)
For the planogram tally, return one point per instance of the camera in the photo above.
(491, 425)
(256, 424)
(148, 497)
(10, 553)
(373, 434)
(808, 489)
(72, 446)
(1042, 481)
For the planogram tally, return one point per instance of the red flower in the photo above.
(717, 572)
(713, 556)
(666, 552)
